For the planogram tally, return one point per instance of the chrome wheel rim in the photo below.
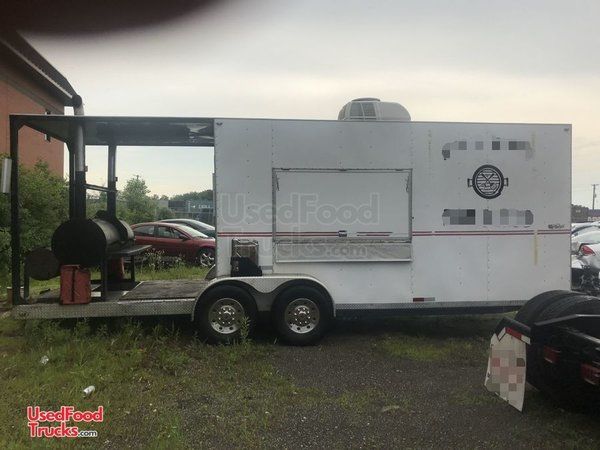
(207, 260)
(225, 315)
(302, 315)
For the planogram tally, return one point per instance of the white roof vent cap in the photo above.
(370, 108)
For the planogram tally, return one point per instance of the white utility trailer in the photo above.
(373, 213)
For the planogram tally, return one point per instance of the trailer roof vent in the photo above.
(373, 109)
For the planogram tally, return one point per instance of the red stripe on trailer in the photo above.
(488, 232)
(307, 234)
(244, 232)
(241, 234)
(437, 233)
(476, 233)
(373, 233)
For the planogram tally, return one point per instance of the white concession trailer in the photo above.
(370, 213)
(392, 215)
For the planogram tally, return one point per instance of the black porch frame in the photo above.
(79, 131)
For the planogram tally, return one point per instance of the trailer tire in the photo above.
(226, 314)
(568, 390)
(301, 315)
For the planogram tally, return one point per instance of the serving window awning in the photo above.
(133, 131)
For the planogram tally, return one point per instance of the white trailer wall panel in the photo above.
(243, 175)
(490, 205)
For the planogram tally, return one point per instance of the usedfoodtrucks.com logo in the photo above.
(299, 209)
(37, 416)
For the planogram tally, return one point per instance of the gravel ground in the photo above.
(400, 402)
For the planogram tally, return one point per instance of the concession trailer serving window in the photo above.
(342, 214)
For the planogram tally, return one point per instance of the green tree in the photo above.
(579, 213)
(164, 213)
(194, 195)
(136, 205)
(43, 201)
(94, 203)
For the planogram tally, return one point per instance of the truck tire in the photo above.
(301, 315)
(226, 315)
(528, 315)
(566, 389)
(530, 310)
(570, 304)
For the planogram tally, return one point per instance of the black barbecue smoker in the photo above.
(97, 241)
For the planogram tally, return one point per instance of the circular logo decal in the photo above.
(488, 181)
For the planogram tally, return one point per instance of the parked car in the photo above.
(586, 227)
(591, 237)
(202, 227)
(585, 266)
(177, 240)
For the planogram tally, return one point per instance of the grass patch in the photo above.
(479, 398)
(427, 349)
(456, 339)
(441, 327)
(359, 400)
(129, 384)
(159, 384)
(559, 427)
(172, 273)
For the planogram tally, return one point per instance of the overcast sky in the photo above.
(496, 61)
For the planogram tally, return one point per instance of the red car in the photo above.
(177, 240)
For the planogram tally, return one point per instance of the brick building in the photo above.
(29, 84)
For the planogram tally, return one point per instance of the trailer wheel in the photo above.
(567, 389)
(301, 315)
(227, 314)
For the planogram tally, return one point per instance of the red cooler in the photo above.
(75, 285)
